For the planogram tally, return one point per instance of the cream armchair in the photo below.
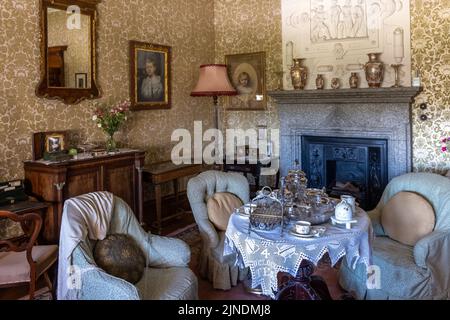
(221, 270)
(419, 271)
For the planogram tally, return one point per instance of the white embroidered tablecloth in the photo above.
(267, 252)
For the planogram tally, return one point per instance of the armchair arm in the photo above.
(200, 213)
(375, 217)
(165, 252)
(92, 283)
(433, 251)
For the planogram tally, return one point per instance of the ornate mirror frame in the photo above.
(68, 95)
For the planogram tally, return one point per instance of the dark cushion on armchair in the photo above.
(120, 256)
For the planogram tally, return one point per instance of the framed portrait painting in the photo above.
(150, 76)
(247, 73)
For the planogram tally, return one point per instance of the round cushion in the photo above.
(408, 217)
(120, 256)
(220, 207)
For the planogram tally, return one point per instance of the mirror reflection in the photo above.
(69, 50)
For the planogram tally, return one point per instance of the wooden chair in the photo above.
(22, 261)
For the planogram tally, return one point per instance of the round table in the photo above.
(267, 253)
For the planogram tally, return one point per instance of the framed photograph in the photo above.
(81, 80)
(247, 73)
(48, 143)
(55, 142)
(150, 76)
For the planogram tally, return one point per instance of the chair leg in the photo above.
(48, 281)
(32, 286)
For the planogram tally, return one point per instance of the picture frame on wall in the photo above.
(81, 80)
(247, 73)
(150, 76)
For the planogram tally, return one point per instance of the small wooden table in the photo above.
(163, 172)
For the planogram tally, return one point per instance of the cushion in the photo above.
(15, 268)
(120, 256)
(408, 217)
(220, 207)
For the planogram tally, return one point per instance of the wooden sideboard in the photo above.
(120, 174)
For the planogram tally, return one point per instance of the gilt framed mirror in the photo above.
(68, 50)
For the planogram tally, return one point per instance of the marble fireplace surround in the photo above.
(371, 113)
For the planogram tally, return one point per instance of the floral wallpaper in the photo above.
(184, 25)
(430, 27)
(255, 25)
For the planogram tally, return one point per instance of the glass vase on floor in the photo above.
(111, 145)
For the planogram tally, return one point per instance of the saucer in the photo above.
(313, 233)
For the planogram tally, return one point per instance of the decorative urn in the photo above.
(299, 74)
(374, 69)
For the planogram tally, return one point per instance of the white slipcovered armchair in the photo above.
(221, 270)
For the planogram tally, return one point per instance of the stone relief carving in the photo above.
(338, 34)
(338, 20)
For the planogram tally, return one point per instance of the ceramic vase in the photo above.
(354, 80)
(320, 82)
(374, 69)
(299, 74)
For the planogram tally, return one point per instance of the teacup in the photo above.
(303, 227)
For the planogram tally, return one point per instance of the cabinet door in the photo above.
(119, 178)
(82, 180)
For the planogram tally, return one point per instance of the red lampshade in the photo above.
(213, 81)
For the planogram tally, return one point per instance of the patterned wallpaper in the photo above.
(77, 57)
(185, 25)
(431, 55)
(255, 25)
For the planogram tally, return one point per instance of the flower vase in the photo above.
(111, 145)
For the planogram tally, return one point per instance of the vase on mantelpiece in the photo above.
(320, 82)
(354, 80)
(299, 74)
(111, 144)
(374, 69)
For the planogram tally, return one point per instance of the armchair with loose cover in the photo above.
(221, 270)
(91, 217)
(408, 271)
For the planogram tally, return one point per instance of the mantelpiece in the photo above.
(346, 96)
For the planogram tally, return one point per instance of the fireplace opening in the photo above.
(353, 166)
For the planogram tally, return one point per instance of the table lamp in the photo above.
(213, 82)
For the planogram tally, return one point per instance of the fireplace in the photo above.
(357, 139)
(354, 166)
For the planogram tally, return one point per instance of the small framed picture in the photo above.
(55, 142)
(81, 80)
(247, 74)
(150, 76)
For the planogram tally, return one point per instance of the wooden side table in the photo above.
(163, 172)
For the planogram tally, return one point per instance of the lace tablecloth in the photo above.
(267, 252)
